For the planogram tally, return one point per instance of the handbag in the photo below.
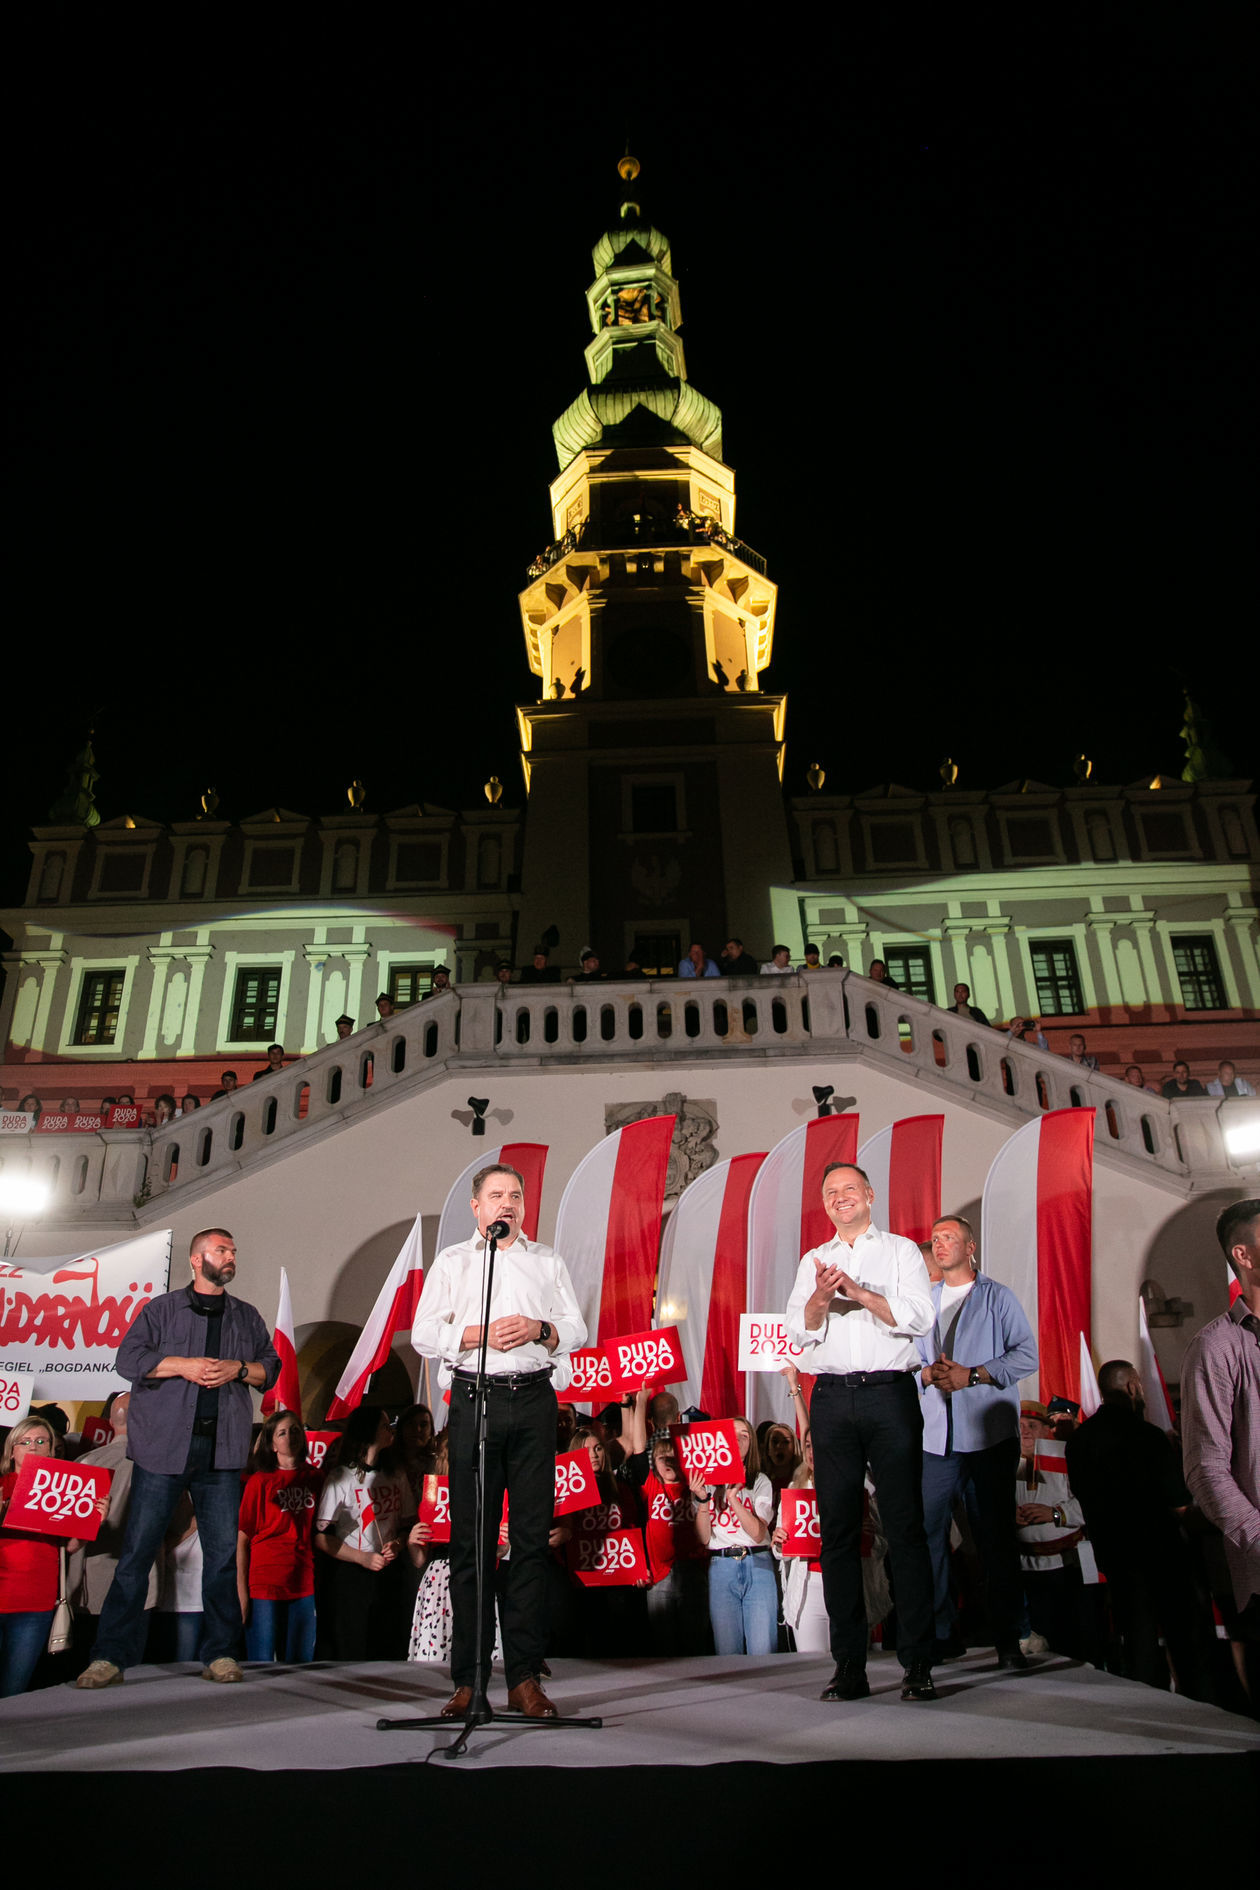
(61, 1629)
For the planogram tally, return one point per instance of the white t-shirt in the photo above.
(728, 1532)
(365, 1508)
(180, 1591)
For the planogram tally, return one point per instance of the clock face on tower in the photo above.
(648, 661)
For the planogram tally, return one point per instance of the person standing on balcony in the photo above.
(778, 963)
(1181, 1083)
(736, 962)
(274, 1063)
(1226, 1082)
(697, 964)
(963, 1005)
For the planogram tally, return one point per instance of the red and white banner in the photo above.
(904, 1164)
(612, 1561)
(435, 1508)
(764, 1345)
(609, 1226)
(65, 1322)
(1037, 1238)
(1090, 1395)
(394, 1312)
(285, 1394)
(786, 1218)
(58, 1499)
(709, 1450)
(458, 1222)
(704, 1278)
(576, 1486)
(1159, 1406)
(798, 1513)
(15, 1396)
(318, 1445)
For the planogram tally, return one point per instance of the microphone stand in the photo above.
(480, 1712)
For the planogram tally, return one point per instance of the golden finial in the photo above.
(356, 794)
(1156, 781)
(627, 167)
(1082, 768)
(209, 803)
(816, 776)
(129, 822)
(948, 771)
(493, 790)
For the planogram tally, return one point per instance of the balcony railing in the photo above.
(828, 1016)
(646, 534)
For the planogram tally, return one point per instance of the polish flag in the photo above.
(396, 1303)
(1090, 1395)
(704, 1278)
(1037, 1238)
(786, 1218)
(1159, 1410)
(904, 1164)
(285, 1394)
(608, 1230)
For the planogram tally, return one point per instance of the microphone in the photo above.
(498, 1230)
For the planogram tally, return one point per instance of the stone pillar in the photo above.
(1102, 925)
(49, 963)
(1143, 924)
(356, 956)
(198, 957)
(999, 930)
(957, 932)
(316, 957)
(1243, 921)
(160, 957)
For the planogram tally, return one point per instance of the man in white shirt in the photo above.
(858, 1305)
(534, 1325)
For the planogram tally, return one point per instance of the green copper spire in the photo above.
(639, 393)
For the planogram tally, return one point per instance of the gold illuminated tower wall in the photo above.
(653, 759)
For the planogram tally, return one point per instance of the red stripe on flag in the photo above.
(728, 1295)
(531, 1159)
(914, 1178)
(632, 1242)
(1065, 1166)
(828, 1139)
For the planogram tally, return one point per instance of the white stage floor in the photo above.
(685, 1712)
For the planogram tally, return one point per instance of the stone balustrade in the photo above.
(826, 1015)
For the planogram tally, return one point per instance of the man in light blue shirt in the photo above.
(973, 1359)
(697, 964)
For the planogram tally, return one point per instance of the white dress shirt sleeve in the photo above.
(806, 1279)
(434, 1333)
(911, 1303)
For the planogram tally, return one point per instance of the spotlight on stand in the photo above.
(823, 1092)
(479, 1105)
(21, 1198)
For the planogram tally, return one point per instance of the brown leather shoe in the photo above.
(529, 1698)
(457, 1706)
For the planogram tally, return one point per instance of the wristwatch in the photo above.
(544, 1331)
(973, 1378)
(242, 1377)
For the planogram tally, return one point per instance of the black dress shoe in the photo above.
(848, 1682)
(1012, 1660)
(917, 1684)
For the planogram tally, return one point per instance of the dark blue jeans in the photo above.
(216, 1501)
(23, 1638)
(281, 1630)
(988, 1476)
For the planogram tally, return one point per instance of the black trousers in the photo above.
(879, 1425)
(520, 1458)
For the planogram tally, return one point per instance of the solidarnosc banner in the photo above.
(64, 1321)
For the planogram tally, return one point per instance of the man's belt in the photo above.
(851, 1379)
(740, 1553)
(503, 1381)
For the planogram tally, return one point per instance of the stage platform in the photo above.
(701, 1740)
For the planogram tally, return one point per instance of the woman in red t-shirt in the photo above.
(275, 1555)
(30, 1565)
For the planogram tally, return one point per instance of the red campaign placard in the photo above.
(97, 1431)
(318, 1445)
(435, 1508)
(85, 1123)
(798, 1512)
(612, 1561)
(645, 1358)
(58, 1499)
(123, 1116)
(576, 1487)
(710, 1451)
(592, 1374)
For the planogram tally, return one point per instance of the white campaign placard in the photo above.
(62, 1321)
(15, 1395)
(764, 1345)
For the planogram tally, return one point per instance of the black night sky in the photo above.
(292, 323)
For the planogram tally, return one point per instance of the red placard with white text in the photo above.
(710, 1450)
(435, 1508)
(97, 1431)
(58, 1499)
(612, 1561)
(15, 1396)
(591, 1378)
(645, 1358)
(798, 1513)
(576, 1487)
(318, 1445)
(123, 1116)
(86, 1122)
